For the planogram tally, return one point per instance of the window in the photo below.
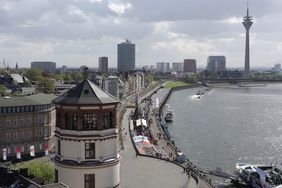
(90, 121)
(111, 120)
(28, 120)
(8, 122)
(40, 118)
(86, 91)
(85, 122)
(89, 150)
(8, 136)
(94, 122)
(58, 119)
(21, 121)
(71, 121)
(15, 136)
(105, 120)
(59, 147)
(89, 180)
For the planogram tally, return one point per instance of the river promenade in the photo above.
(148, 171)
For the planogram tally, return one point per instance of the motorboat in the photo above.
(260, 176)
(169, 116)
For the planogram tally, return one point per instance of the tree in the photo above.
(33, 74)
(67, 77)
(41, 169)
(3, 90)
(46, 85)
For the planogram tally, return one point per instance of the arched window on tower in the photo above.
(105, 120)
(94, 122)
(85, 125)
(70, 121)
(58, 119)
(67, 121)
(111, 120)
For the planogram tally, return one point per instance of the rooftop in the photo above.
(86, 92)
(37, 99)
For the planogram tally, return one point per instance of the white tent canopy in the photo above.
(141, 122)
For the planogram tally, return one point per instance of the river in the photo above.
(229, 124)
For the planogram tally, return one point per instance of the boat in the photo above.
(260, 176)
(168, 116)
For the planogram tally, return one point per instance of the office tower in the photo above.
(126, 56)
(190, 66)
(216, 64)
(103, 64)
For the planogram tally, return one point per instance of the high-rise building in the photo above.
(126, 56)
(163, 67)
(247, 22)
(216, 64)
(86, 138)
(177, 67)
(190, 66)
(46, 66)
(103, 64)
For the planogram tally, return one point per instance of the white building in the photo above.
(177, 67)
(163, 67)
(86, 134)
(111, 86)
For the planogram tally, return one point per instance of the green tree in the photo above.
(3, 90)
(33, 74)
(41, 169)
(67, 77)
(45, 85)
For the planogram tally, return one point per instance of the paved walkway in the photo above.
(148, 172)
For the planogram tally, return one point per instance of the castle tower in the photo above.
(86, 138)
(247, 22)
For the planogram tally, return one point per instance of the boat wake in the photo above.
(196, 97)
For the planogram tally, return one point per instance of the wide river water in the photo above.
(228, 125)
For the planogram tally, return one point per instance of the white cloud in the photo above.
(119, 8)
(233, 20)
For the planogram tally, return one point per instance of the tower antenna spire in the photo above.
(247, 8)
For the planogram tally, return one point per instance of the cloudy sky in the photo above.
(77, 32)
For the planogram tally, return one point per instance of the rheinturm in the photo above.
(86, 138)
(247, 22)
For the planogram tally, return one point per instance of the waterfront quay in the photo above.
(145, 169)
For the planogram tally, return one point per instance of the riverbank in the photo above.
(159, 138)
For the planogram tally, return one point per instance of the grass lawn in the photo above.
(172, 84)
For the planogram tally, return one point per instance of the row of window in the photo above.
(22, 120)
(19, 109)
(22, 135)
(90, 120)
(18, 135)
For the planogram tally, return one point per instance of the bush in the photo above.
(43, 170)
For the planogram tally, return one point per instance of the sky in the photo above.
(78, 32)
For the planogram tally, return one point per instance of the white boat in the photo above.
(260, 176)
(169, 116)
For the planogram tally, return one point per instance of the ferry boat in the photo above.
(260, 176)
(169, 116)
